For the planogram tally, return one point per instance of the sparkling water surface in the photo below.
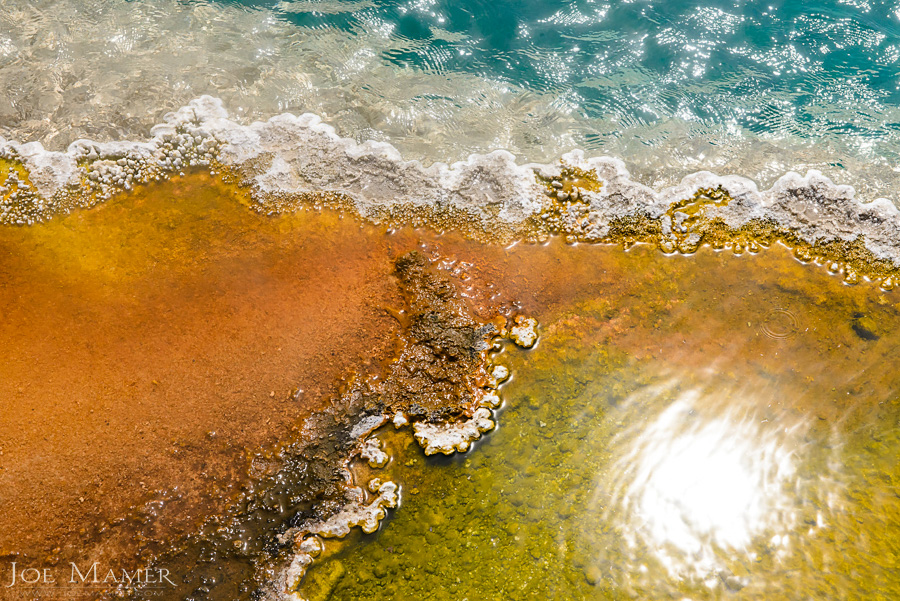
(755, 88)
(811, 69)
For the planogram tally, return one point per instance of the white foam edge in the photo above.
(304, 154)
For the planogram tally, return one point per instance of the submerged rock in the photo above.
(449, 438)
(373, 453)
(524, 333)
(356, 513)
(399, 420)
(490, 400)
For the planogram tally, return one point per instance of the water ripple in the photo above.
(751, 88)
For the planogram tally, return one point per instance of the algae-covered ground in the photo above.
(714, 427)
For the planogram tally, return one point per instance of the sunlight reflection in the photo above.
(702, 480)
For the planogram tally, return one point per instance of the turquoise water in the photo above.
(754, 89)
(811, 69)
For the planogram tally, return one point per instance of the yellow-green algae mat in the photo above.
(702, 427)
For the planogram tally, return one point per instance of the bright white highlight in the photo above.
(699, 482)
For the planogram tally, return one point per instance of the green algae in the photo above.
(550, 505)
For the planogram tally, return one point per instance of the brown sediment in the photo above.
(435, 374)
(438, 374)
(442, 363)
(151, 348)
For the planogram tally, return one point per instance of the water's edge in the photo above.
(289, 159)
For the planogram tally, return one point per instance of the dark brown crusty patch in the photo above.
(443, 356)
(439, 364)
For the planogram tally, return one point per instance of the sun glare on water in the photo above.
(700, 482)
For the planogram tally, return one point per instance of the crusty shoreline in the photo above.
(293, 159)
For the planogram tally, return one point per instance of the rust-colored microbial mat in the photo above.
(151, 346)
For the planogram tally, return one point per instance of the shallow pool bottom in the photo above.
(695, 427)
